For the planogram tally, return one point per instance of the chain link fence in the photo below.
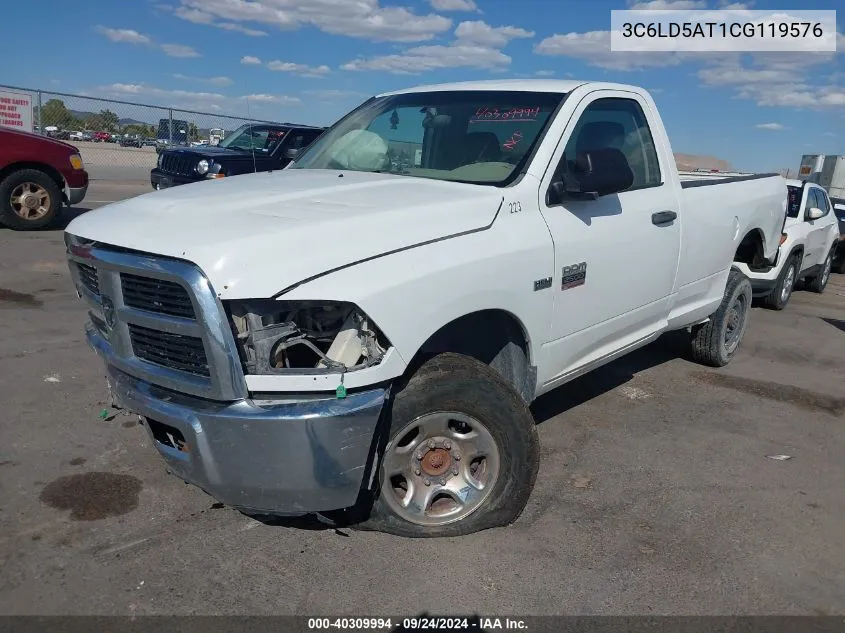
(120, 140)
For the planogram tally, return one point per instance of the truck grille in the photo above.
(156, 295)
(157, 319)
(177, 164)
(183, 353)
(88, 278)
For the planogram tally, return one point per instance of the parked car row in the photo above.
(360, 335)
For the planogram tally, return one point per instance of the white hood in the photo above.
(257, 234)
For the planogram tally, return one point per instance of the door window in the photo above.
(811, 201)
(619, 124)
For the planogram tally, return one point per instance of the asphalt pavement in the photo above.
(657, 494)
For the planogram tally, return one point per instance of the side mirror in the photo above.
(594, 174)
(815, 213)
(292, 153)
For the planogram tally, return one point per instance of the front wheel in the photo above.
(462, 453)
(716, 342)
(29, 199)
(819, 282)
(781, 293)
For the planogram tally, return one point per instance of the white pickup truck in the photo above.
(359, 335)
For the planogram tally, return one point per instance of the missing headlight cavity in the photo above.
(277, 337)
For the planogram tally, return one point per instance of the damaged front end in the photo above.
(304, 337)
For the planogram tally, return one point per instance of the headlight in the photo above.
(160, 157)
(76, 161)
(284, 337)
(202, 167)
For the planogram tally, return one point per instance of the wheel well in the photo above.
(494, 337)
(750, 250)
(50, 171)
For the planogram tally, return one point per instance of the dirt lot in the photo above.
(655, 494)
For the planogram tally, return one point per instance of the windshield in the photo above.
(481, 137)
(259, 138)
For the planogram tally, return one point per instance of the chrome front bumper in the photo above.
(286, 457)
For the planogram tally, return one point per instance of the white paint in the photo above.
(634, 393)
(380, 236)
(52, 378)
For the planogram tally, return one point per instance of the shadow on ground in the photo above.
(65, 217)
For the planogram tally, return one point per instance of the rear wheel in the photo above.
(781, 293)
(819, 282)
(462, 453)
(716, 342)
(29, 199)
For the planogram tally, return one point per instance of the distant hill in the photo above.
(692, 161)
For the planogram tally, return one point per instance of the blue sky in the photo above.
(311, 60)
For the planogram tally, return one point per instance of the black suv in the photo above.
(252, 147)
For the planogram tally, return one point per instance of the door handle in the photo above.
(663, 217)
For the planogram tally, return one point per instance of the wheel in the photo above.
(715, 343)
(780, 294)
(462, 453)
(29, 199)
(819, 282)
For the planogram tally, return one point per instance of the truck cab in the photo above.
(250, 148)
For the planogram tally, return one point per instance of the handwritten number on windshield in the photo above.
(513, 114)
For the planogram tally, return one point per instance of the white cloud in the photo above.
(770, 126)
(265, 98)
(828, 134)
(424, 58)
(197, 16)
(365, 19)
(134, 37)
(302, 70)
(667, 5)
(249, 60)
(212, 102)
(333, 93)
(194, 15)
(214, 81)
(791, 80)
(178, 50)
(453, 5)
(482, 34)
(593, 48)
(229, 26)
(545, 73)
(124, 35)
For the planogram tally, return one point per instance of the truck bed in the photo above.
(704, 178)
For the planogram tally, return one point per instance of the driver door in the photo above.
(615, 257)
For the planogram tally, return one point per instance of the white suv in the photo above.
(810, 233)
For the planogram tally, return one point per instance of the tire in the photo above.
(782, 292)
(716, 342)
(29, 186)
(819, 282)
(441, 398)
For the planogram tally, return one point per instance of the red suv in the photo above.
(37, 175)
